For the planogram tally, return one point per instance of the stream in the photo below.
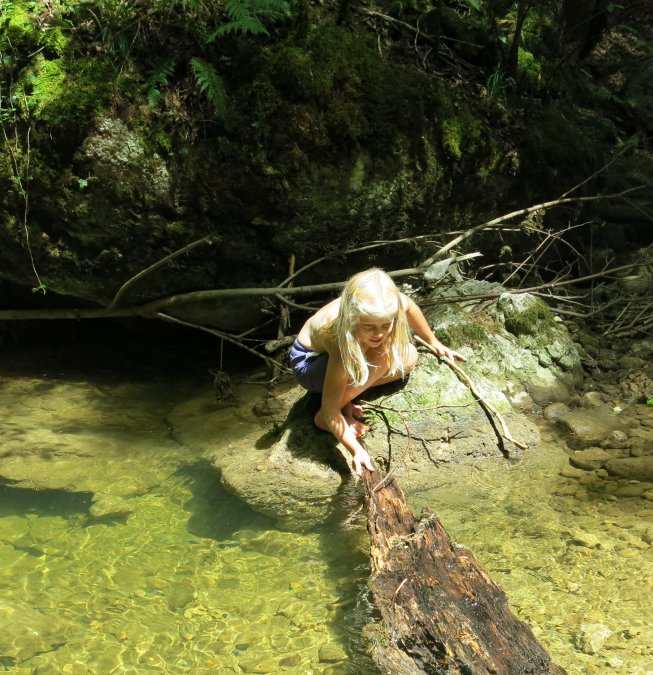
(121, 553)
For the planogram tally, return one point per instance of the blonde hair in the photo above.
(370, 294)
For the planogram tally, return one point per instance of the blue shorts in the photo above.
(308, 367)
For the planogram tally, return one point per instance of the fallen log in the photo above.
(441, 611)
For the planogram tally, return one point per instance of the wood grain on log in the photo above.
(441, 611)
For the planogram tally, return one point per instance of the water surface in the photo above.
(121, 553)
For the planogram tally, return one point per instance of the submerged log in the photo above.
(441, 611)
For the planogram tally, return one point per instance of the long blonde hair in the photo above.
(370, 293)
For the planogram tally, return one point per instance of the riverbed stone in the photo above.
(590, 459)
(27, 632)
(554, 411)
(590, 426)
(591, 637)
(638, 468)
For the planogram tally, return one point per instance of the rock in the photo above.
(592, 399)
(630, 490)
(109, 506)
(178, 596)
(290, 661)
(579, 537)
(555, 410)
(116, 150)
(543, 394)
(591, 637)
(331, 654)
(617, 436)
(27, 632)
(632, 363)
(590, 426)
(638, 468)
(590, 459)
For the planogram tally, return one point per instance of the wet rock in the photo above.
(616, 436)
(331, 654)
(178, 596)
(638, 468)
(579, 537)
(591, 637)
(592, 399)
(290, 661)
(553, 411)
(630, 491)
(258, 665)
(590, 426)
(590, 459)
(106, 506)
(27, 632)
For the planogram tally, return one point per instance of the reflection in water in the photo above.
(158, 569)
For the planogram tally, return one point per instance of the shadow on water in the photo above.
(345, 545)
(343, 538)
(16, 501)
(215, 512)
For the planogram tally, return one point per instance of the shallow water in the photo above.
(147, 565)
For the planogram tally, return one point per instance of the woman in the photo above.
(357, 341)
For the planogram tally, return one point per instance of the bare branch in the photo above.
(477, 394)
(499, 222)
(130, 282)
(225, 336)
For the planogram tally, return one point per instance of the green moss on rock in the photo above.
(532, 317)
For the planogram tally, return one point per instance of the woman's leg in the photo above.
(378, 369)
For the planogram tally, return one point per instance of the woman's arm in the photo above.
(330, 417)
(417, 321)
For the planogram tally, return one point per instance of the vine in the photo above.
(19, 162)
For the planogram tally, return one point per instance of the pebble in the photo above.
(592, 636)
(331, 654)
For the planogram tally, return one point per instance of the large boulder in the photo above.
(269, 453)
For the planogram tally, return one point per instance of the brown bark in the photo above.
(441, 611)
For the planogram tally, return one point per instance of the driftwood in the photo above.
(441, 611)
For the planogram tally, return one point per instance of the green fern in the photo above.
(247, 16)
(158, 77)
(211, 84)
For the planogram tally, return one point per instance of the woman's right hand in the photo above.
(362, 459)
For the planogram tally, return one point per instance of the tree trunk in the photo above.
(441, 611)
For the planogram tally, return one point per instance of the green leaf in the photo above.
(211, 84)
(650, 401)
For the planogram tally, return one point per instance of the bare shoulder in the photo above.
(405, 301)
(312, 334)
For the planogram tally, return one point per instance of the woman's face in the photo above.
(372, 332)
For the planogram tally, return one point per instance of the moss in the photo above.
(530, 71)
(358, 96)
(532, 321)
(19, 27)
(42, 84)
(461, 131)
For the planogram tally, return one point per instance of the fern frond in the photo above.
(153, 97)
(246, 25)
(247, 16)
(210, 84)
(159, 75)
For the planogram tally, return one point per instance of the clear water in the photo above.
(135, 560)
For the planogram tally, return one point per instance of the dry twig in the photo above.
(479, 397)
